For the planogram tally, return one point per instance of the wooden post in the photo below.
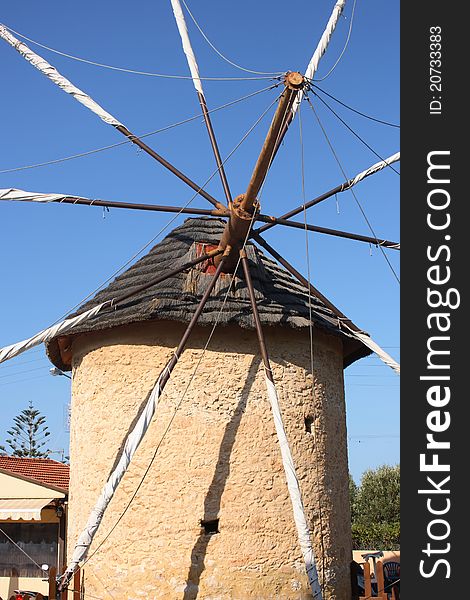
(52, 583)
(355, 571)
(62, 546)
(76, 584)
(379, 577)
(367, 581)
(293, 82)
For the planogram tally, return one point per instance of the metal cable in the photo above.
(23, 551)
(351, 129)
(131, 71)
(129, 141)
(220, 53)
(23, 380)
(21, 363)
(310, 328)
(354, 109)
(22, 372)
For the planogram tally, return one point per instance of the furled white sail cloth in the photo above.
(188, 50)
(369, 342)
(303, 530)
(23, 196)
(51, 72)
(373, 169)
(132, 443)
(61, 328)
(321, 48)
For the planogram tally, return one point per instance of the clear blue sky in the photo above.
(54, 255)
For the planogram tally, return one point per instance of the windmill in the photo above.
(216, 258)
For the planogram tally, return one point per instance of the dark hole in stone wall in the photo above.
(308, 424)
(211, 526)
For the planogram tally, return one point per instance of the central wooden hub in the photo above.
(294, 80)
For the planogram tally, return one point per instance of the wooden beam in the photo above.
(215, 147)
(197, 188)
(327, 231)
(299, 209)
(293, 271)
(215, 212)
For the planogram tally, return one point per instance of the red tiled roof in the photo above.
(43, 470)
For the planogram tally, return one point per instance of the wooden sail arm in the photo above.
(346, 185)
(194, 69)
(23, 196)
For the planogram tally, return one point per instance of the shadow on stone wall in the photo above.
(217, 486)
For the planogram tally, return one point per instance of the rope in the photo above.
(354, 109)
(220, 53)
(372, 169)
(311, 347)
(345, 46)
(44, 335)
(352, 190)
(310, 328)
(21, 549)
(351, 129)
(123, 69)
(186, 43)
(128, 141)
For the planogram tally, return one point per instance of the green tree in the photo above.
(375, 509)
(353, 491)
(28, 434)
(378, 496)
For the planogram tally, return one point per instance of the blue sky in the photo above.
(55, 255)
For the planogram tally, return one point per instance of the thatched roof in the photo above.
(282, 301)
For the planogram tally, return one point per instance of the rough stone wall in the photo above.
(217, 457)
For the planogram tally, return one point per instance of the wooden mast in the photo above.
(244, 206)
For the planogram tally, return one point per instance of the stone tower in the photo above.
(204, 511)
